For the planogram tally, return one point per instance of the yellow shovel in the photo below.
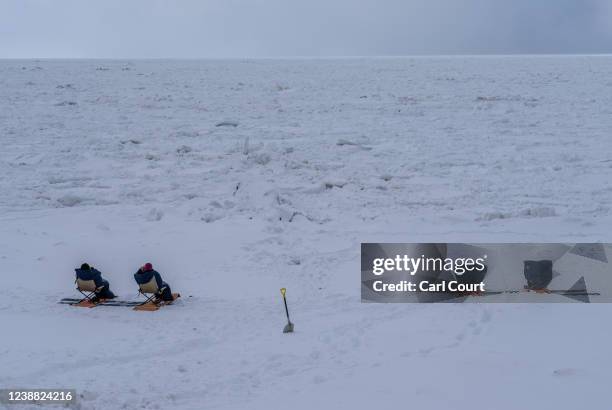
(289, 326)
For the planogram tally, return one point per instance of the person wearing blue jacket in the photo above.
(86, 272)
(146, 273)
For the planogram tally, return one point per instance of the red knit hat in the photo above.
(147, 267)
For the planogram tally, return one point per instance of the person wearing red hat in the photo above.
(146, 273)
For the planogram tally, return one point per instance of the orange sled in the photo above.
(151, 306)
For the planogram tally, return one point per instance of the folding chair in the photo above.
(88, 289)
(150, 291)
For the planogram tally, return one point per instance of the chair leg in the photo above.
(149, 299)
(87, 296)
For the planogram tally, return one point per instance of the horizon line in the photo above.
(314, 57)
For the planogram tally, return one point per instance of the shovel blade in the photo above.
(288, 328)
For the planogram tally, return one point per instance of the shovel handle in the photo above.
(283, 291)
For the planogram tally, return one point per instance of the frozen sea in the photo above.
(238, 177)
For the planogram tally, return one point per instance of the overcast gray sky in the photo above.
(286, 28)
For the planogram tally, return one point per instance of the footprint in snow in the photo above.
(318, 379)
(564, 372)
(486, 316)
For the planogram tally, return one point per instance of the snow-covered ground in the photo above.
(236, 178)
